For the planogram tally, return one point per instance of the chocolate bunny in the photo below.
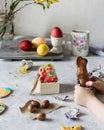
(82, 73)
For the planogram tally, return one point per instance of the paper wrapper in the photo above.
(52, 107)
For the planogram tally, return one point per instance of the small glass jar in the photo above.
(6, 27)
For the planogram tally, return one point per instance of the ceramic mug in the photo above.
(80, 42)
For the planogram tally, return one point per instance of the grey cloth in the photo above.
(97, 49)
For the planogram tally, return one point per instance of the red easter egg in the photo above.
(56, 32)
(25, 45)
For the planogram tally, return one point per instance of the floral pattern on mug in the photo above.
(80, 42)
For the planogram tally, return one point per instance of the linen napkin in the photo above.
(97, 49)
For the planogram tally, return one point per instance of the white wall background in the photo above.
(67, 14)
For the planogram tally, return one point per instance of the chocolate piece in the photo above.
(32, 105)
(41, 116)
(35, 103)
(82, 73)
(45, 104)
(32, 108)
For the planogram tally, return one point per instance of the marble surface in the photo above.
(21, 85)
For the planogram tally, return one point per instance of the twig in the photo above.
(22, 7)
(35, 84)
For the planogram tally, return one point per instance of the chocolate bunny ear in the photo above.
(82, 73)
(81, 61)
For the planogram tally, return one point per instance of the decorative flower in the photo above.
(15, 3)
(9, 13)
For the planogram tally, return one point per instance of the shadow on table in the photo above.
(35, 68)
(66, 88)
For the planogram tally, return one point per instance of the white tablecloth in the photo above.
(21, 85)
